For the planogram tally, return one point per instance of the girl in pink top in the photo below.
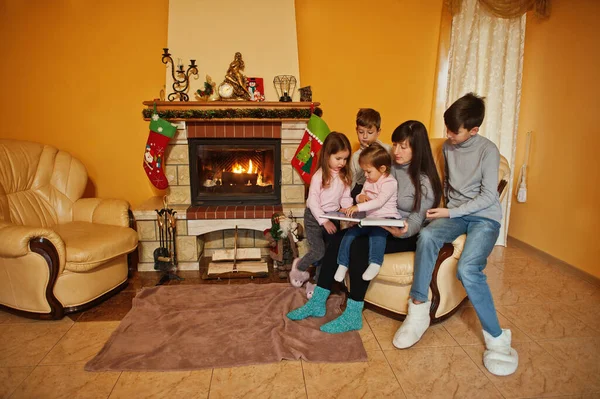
(329, 191)
(378, 198)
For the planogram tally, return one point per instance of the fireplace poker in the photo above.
(159, 224)
(235, 238)
(173, 229)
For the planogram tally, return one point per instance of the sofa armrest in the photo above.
(104, 211)
(458, 245)
(16, 241)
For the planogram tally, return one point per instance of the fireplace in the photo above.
(207, 226)
(235, 171)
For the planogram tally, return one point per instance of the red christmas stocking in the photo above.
(161, 131)
(304, 161)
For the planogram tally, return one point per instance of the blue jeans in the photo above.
(482, 234)
(377, 242)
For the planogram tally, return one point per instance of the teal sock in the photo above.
(315, 306)
(350, 320)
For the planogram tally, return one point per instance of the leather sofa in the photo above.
(388, 292)
(59, 253)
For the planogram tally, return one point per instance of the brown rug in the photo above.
(186, 327)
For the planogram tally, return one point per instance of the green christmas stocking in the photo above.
(161, 131)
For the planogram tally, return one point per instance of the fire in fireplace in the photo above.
(235, 171)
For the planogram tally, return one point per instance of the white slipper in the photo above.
(499, 357)
(414, 325)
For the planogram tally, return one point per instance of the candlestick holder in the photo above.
(181, 78)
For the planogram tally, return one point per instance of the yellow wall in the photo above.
(212, 31)
(74, 75)
(560, 104)
(380, 54)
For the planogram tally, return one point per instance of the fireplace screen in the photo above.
(235, 171)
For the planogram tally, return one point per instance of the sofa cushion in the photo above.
(397, 268)
(90, 244)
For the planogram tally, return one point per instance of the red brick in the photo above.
(277, 131)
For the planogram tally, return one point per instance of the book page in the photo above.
(242, 253)
(342, 216)
(227, 267)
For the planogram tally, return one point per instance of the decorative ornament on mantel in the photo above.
(235, 85)
(209, 93)
(305, 93)
(285, 86)
(181, 78)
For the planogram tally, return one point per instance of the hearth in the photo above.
(230, 171)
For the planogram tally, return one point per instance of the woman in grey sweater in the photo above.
(419, 189)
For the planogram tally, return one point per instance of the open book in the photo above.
(362, 219)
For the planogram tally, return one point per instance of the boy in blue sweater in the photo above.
(473, 207)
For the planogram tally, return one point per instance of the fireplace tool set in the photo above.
(165, 256)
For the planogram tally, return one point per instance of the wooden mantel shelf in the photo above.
(229, 110)
(190, 105)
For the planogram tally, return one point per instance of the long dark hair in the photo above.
(422, 160)
(334, 143)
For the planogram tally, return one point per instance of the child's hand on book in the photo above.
(396, 231)
(351, 211)
(438, 213)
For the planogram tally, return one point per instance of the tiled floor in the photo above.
(554, 316)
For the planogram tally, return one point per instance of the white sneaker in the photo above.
(500, 358)
(414, 326)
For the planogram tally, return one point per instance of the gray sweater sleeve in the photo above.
(415, 219)
(488, 192)
(358, 176)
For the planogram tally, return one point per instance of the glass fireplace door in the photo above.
(235, 171)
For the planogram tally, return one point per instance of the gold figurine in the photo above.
(234, 87)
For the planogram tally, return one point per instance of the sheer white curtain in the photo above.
(486, 57)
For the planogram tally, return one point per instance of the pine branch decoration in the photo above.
(232, 113)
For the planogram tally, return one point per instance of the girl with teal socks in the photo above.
(419, 188)
(315, 307)
(350, 320)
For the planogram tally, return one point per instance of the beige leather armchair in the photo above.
(58, 253)
(389, 291)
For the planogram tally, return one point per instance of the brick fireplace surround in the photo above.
(201, 230)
